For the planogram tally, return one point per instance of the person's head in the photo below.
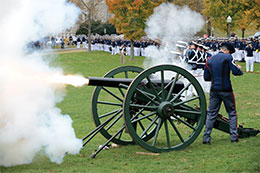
(227, 48)
(193, 45)
(200, 47)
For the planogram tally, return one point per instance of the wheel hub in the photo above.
(165, 110)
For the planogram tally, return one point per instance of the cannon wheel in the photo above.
(107, 106)
(172, 114)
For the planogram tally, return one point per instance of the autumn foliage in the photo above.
(129, 16)
(244, 13)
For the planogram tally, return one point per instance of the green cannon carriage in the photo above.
(162, 108)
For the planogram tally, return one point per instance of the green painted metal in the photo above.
(222, 124)
(112, 105)
(164, 109)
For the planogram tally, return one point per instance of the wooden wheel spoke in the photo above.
(114, 122)
(157, 132)
(184, 122)
(186, 101)
(172, 86)
(94, 132)
(190, 114)
(142, 126)
(149, 126)
(144, 106)
(146, 94)
(153, 89)
(186, 111)
(110, 103)
(144, 117)
(177, 131)
(147, 117)
(176, 96)
(126, 74)
(110, 113)
(162, 85)
(140, 111)
(121, 91)
(187, 107)
(120, 135)
(167, 134)
(113, 94)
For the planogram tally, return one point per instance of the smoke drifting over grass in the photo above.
(29, 119)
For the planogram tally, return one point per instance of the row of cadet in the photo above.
(197, 54)
(110, 44)
(194, 53)
(243, 47)
(244, 50)
(212, 46)
(115, 45)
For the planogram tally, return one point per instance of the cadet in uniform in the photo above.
(249, 58)
(217, 71)
(193, 55)
(78, 42)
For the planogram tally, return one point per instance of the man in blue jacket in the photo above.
(217, 70)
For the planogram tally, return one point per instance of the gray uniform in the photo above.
(216, 99)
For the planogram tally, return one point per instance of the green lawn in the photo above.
(220, 156)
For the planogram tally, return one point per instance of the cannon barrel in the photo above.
(116, 82)
(108, 82)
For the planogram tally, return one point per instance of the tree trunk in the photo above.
(243, 32)
(208, 27)
(132, 51)
(89, 32)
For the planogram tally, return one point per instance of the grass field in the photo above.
(220, 156)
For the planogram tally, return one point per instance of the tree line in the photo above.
(129, 17)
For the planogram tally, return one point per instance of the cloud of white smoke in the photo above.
(29, 119)
(168, 25)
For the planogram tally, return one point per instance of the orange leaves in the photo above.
(196, 5)
(129, 16)
(112, 4)
(241, 11)
(138, 3)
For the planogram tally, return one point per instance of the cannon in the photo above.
(162, 108)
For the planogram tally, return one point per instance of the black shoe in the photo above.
(204, 142)
(234, 141)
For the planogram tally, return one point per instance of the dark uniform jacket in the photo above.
(249, 51)
(217, 70)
